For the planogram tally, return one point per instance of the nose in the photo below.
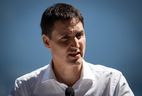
(75, 42)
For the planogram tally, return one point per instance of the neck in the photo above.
(67, 74)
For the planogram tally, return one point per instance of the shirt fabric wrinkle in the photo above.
(95, 80)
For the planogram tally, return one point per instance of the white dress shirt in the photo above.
(95, 80)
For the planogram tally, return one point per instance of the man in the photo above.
(63, 33)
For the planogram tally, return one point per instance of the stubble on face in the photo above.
(62, 38)
(67, 47)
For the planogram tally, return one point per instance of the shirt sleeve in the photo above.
(123, 88)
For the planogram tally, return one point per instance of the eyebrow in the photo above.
(66, 33)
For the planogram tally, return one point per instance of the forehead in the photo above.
(68, 26)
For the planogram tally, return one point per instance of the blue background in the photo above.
(113, 31)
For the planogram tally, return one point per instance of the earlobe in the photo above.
(46, 41)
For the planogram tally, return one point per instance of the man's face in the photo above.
(67, 43)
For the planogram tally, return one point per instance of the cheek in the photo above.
(83, 47)
(83, 43)
(64, 44)
(58, 48)
(57, 52)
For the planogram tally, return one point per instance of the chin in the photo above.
(76, 61)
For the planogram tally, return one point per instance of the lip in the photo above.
(75, 55)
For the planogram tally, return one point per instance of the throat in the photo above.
(67, 75)
(69, 80)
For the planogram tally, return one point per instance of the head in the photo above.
(63, 33)
(59, 11)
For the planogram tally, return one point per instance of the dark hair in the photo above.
(59, 11)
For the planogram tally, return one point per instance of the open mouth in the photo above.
(74, 54)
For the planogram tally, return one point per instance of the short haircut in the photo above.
(59, 11)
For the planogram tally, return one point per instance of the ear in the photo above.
(46, 41)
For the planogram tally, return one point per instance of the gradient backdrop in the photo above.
(113, 31)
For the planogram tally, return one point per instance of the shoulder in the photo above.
(102, 68)
(25, 84)
(105, 75)
(111, 79)
(104, 71)
(31, 78)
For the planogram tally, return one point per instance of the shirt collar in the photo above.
(87, 73)
(48, 74)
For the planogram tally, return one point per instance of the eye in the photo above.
(65, 38)
(79, 34)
